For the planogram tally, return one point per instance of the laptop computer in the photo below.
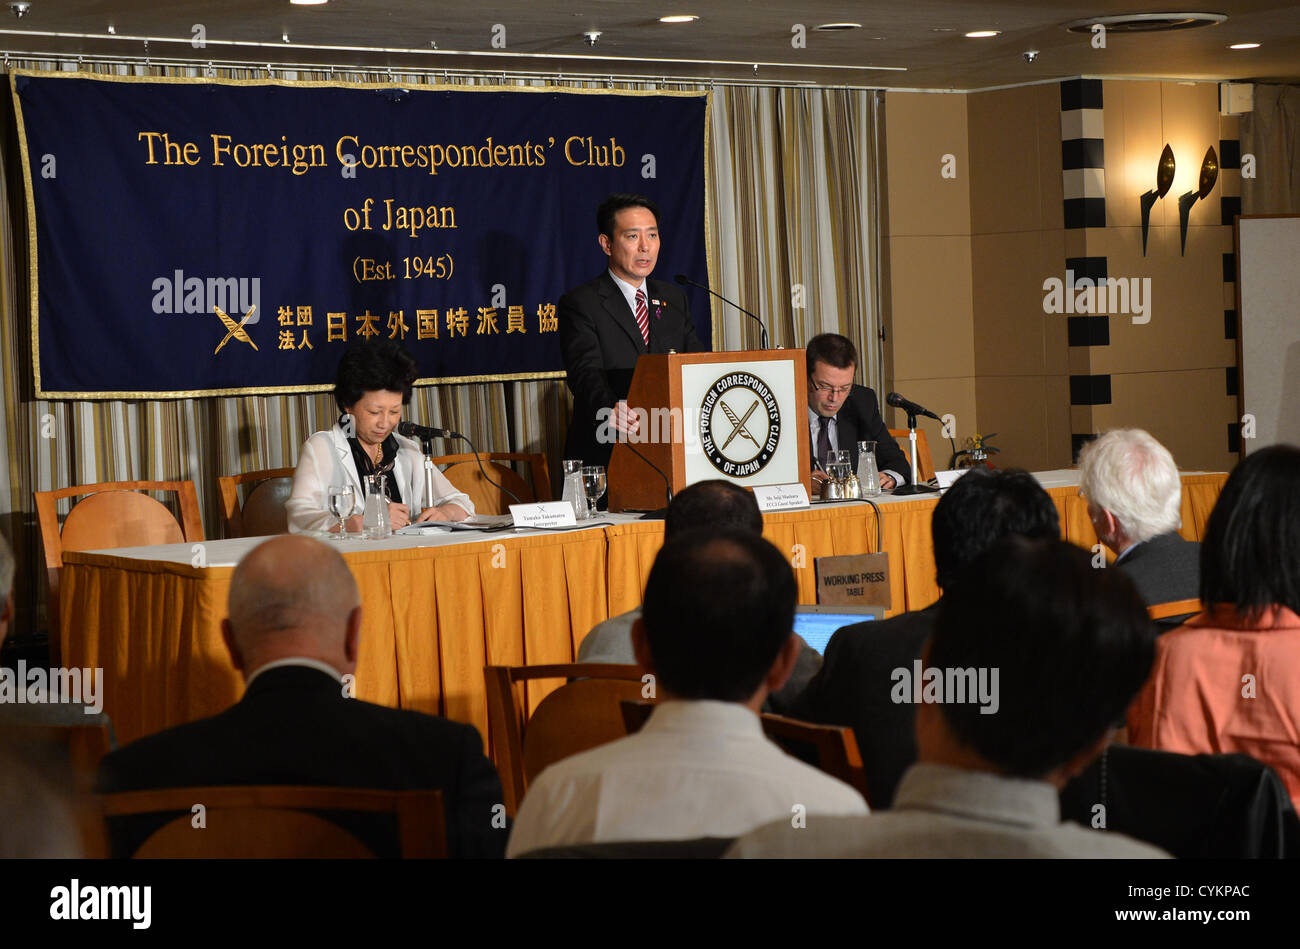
(816, 624)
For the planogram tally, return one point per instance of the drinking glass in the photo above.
(838, 464)
(342, 500)
(593, 483)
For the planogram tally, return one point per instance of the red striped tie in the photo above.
(643, 317)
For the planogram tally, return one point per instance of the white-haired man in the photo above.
(1135, 502)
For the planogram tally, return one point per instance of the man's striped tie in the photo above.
(643, 317)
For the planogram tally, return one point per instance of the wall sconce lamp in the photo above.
(1164, 179)
(1209, 175)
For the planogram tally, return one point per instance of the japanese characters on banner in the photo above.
(205, 237)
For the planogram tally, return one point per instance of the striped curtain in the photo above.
(792, 236)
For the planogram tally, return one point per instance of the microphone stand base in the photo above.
(908, 490)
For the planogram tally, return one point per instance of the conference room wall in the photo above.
(798, 175)
(928, 310)
(1017, 239)
(1171, 374)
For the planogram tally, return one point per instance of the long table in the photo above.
(437, 608)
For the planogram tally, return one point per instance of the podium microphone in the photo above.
(687, 281)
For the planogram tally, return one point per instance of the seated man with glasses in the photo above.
(841, 414)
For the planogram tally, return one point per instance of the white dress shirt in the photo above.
(944, 812)
(833, 431)
(326, 459)
(695, 769)
(629, 291)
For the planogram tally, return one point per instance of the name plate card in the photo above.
(546, 514)
(781, 497)
(854, 579)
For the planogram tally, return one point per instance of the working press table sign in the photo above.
(193, 237)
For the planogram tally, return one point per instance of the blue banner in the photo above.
(203, 237)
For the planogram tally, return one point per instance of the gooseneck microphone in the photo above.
(910, 407)
(426, 436)
(411, 430)
(687, 281)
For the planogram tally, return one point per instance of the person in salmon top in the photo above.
(1228, 680)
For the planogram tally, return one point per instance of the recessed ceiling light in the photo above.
(982, 34)
(679, 18)
(1244, 46)
(832, 27)
(307, 3)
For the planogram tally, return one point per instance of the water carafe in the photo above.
(574, 492)
(868, 476)
(375, 524)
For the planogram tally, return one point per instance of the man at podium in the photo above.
(842, 413)
(607, 323)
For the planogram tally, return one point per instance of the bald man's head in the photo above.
(293, 596)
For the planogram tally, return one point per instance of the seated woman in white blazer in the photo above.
(373, 383)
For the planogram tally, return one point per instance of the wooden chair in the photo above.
(274, 822)
(1159, 611)
(577, 716)
(113, 515)
(464, 474)
(924, 462)
(263, 512)
(833, 748)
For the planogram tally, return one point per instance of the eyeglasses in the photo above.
(833, 390)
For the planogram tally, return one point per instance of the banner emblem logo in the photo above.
(234, 330)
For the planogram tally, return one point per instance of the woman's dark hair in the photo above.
(1250, 554)
(369, 367)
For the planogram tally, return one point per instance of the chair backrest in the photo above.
(463, 472)
(924, 461)
(835, 748)
(579, 715)
(274, 822)
(1158, 611)
(112, 515)
(830, 748)
(263, 512)
(83, 745)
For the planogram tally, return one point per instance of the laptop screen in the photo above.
(816, 624)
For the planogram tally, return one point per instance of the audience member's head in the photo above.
(1132, 486)
(714, 505)
(1250, 554)
(983, 507)
(6, 587)
(1071, 645)
(293, 597)
(718, 617)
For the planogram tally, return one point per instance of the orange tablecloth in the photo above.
(154, 627)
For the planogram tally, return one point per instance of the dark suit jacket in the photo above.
(1220, 806)
(599, 335)
(294, 726)
(1165, 569)
(858, 420)
(853, 688)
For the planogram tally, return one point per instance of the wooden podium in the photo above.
(738, 416)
